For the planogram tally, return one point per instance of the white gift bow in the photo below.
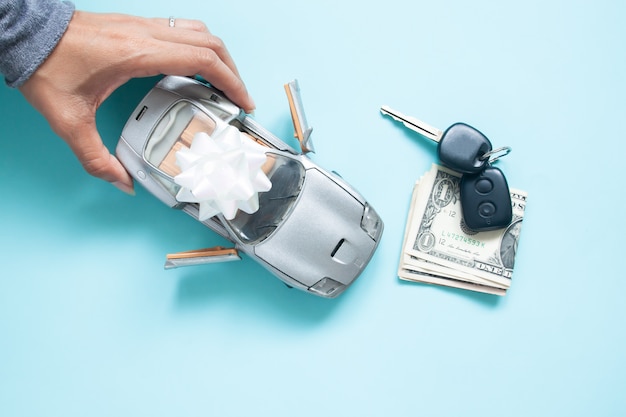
(222, 173)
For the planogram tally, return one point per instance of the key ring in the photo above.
(503, 151)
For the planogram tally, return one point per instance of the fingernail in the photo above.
(128, 189)
(252, 106)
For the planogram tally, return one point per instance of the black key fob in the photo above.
(462, 148)
(486, 200)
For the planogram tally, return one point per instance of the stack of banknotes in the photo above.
(438, 247)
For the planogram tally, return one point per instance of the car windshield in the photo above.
(287, 177)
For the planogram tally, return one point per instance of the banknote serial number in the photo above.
(456, 237)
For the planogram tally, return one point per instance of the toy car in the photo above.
(312, 229)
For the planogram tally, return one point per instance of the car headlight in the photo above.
(371, 222)
(327, 287)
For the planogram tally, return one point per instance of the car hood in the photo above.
(322, 237)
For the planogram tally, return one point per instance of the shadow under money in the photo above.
(487, 300)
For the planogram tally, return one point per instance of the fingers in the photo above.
(86, 143)
(194, 50)
(188, 48)
(190, 60)
(200, 39)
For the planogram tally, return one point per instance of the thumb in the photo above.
(97, 160)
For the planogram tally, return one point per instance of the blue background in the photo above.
(91, 324)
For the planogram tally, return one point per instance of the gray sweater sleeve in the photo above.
(29, 31)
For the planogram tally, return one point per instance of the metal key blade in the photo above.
(414, 124)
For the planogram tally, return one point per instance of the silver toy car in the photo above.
(312, 229)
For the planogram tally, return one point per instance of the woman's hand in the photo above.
(100, 52)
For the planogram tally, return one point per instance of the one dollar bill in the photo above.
(440, 249)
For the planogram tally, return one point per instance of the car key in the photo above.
(486, 200)
(460, 147)
(485, 196)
